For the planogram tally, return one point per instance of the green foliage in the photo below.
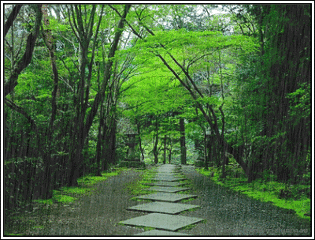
(300, 103)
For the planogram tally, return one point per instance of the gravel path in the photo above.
(93, 215)
(226, 213)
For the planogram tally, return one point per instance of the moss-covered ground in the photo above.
(295, 198)
(85, 186)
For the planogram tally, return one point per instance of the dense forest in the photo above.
(211, 85)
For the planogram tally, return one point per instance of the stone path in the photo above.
(163, 211)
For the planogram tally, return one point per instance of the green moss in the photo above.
(91, 180)
(183, 192)
(44, 201)
(38, 227)
(267, 191)
(139, 187)
(70, 194)
(188, 200)
(75, 190)
(191, 209)
(63, 199)
(12, 234)
(192, 225)
(148, 228)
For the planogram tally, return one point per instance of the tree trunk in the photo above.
(182, 141)
(155, 151)
(206, 151)
(164, 155)
(140, 142)
(170, 150)
(112, 142)
(83, 130)
(99, 143)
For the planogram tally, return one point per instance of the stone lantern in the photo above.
(132, 159)
(131, 142)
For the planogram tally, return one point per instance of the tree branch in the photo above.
(20, 110)
(27, 57)
(11, 18)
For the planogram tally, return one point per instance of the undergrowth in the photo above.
(266, 190)
(85, 186)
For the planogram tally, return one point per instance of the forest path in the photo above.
(225, 212)
(163, 212)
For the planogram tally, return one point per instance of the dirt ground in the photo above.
(226, 213)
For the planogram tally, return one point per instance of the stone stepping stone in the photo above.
(161, 233)
(162, 221)
(168, 174)
(163, 207)
(164, 171)
(166, 197)
(168, 189)
(167, 178)
(168, 168)
(165, 184)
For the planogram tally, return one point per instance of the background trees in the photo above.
(235, 84)
(60, 103)
(269, 79)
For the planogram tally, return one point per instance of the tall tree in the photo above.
(82, 132)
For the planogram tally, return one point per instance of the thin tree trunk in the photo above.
(164, 155)
(49, 132)
(99, 143)
(182, 140)
(140, 142)
(83, 131)
(155, 151)
(206, 153)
